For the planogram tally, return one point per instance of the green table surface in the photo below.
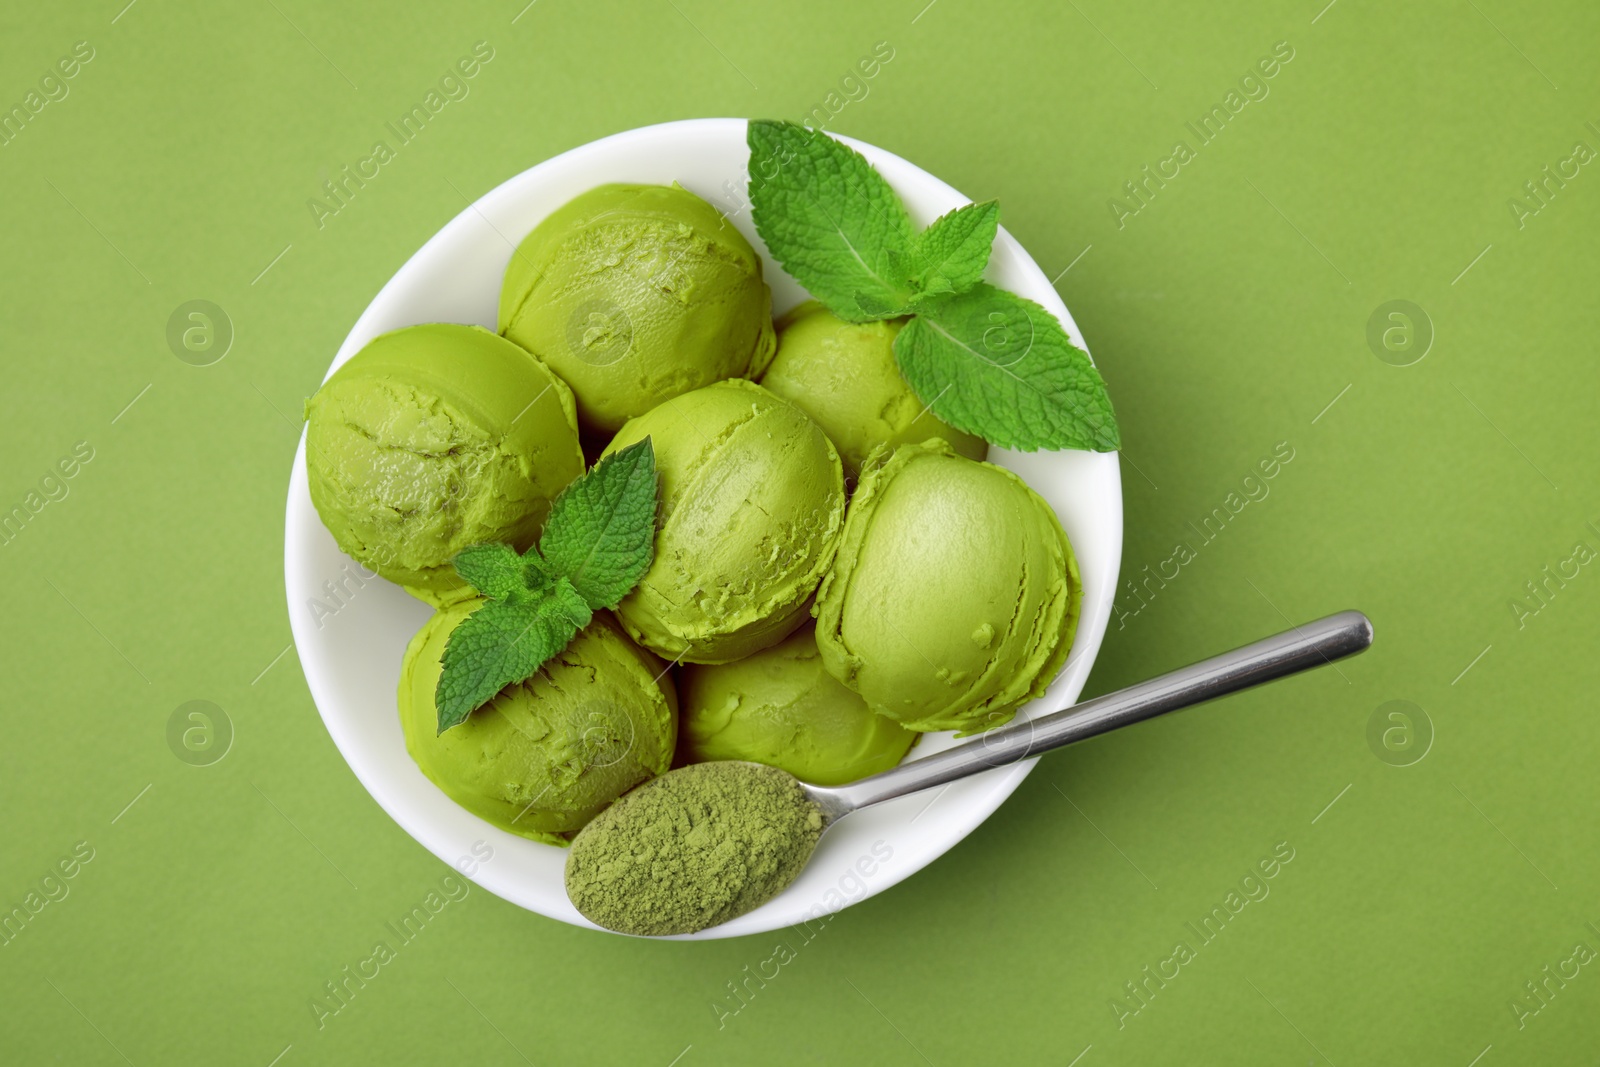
(1442, 902)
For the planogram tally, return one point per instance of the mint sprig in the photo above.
(984, 360)
(597, 543)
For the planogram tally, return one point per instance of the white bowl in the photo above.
(351, 657)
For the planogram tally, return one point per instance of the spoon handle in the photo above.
(1290, 652)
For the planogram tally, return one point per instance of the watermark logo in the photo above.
(199, 332)
(1007, 337)
(199, 733)
(600, 332)
(1400, 333)
(1002, 746)
(1399, 733)
(608, 734)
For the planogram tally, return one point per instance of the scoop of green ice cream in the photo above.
(433, 438)
(752, 504)
(545, 755)
(844, 376)
(782, 708)
(637, 293)
(955, 593)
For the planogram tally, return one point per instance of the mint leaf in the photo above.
(597, 543)
(600, 535)
(502, 643)
(492, 569)
(830, 219)
(874, 306)
(952, 253)
(495, 570)
(994, 364)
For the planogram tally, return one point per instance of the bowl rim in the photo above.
(955, 825)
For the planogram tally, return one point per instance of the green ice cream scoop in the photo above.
(637, 293)
(955, 593)
(433, 438)
(782, 708)
(844, 376)
(752, 505)
(546, 755)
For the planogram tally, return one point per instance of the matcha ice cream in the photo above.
(752, 504)
(433, 438)
(637, 293)
(843, 374)
(955, 593)
(780, 707)
(546, 755)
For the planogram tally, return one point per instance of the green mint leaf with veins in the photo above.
(874, 306)
(994, 364)
(600, 535)
(597, 543)
(492, 569)
(831, 220)
(505, 642)
(952, 253)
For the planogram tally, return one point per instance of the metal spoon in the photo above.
(1301, 648)
(1290, 652)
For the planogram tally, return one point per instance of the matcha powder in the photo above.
(693, 848)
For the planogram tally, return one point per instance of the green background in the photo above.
(1228, 314)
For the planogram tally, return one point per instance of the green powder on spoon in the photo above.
(693, 848)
